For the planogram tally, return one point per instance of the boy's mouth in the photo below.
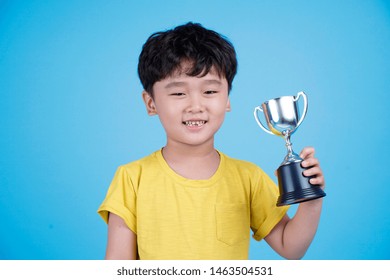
(194, 123)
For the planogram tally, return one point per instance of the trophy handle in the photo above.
(258, 108)
(305, 105)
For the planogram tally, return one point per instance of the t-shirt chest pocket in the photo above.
(233, 223)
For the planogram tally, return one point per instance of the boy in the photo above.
(188, 200)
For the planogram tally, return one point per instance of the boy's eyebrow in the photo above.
(174, 84)
(213, 81)
(178, 84)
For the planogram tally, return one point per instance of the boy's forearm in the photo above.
(300, 230)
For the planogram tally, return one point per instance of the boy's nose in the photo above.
(195, 105)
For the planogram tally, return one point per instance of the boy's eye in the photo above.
(210, 91)
(177, 94)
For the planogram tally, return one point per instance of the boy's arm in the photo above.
(122, 242)
(292, 237)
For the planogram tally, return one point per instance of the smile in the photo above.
(194, 123)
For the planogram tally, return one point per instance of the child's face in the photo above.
(191, 109)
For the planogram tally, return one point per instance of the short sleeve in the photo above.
(121, 199)
(264, 212)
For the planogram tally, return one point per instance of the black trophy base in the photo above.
(294, 187)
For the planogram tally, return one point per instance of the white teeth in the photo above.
(194, 123)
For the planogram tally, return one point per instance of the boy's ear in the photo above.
(149, 103)
(228, 108)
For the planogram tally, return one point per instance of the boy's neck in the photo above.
(197, 163)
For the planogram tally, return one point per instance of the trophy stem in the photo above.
(288, 144)
(291, 157)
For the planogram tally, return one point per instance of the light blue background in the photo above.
(71, 112)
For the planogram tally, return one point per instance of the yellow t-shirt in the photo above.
(179, 218)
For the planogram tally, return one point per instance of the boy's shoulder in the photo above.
(144, 167)
(237, 160)
(148, 160)
(241, 165)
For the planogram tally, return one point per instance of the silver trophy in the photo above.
(283, 119)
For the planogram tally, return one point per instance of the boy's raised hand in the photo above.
(313, 165)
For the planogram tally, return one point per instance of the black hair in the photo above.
(164, 52)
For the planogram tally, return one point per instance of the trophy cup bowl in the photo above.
(283, 119)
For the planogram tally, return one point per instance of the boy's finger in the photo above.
(307, 152)
(310, 162)
(318, 181)
(315, 171)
